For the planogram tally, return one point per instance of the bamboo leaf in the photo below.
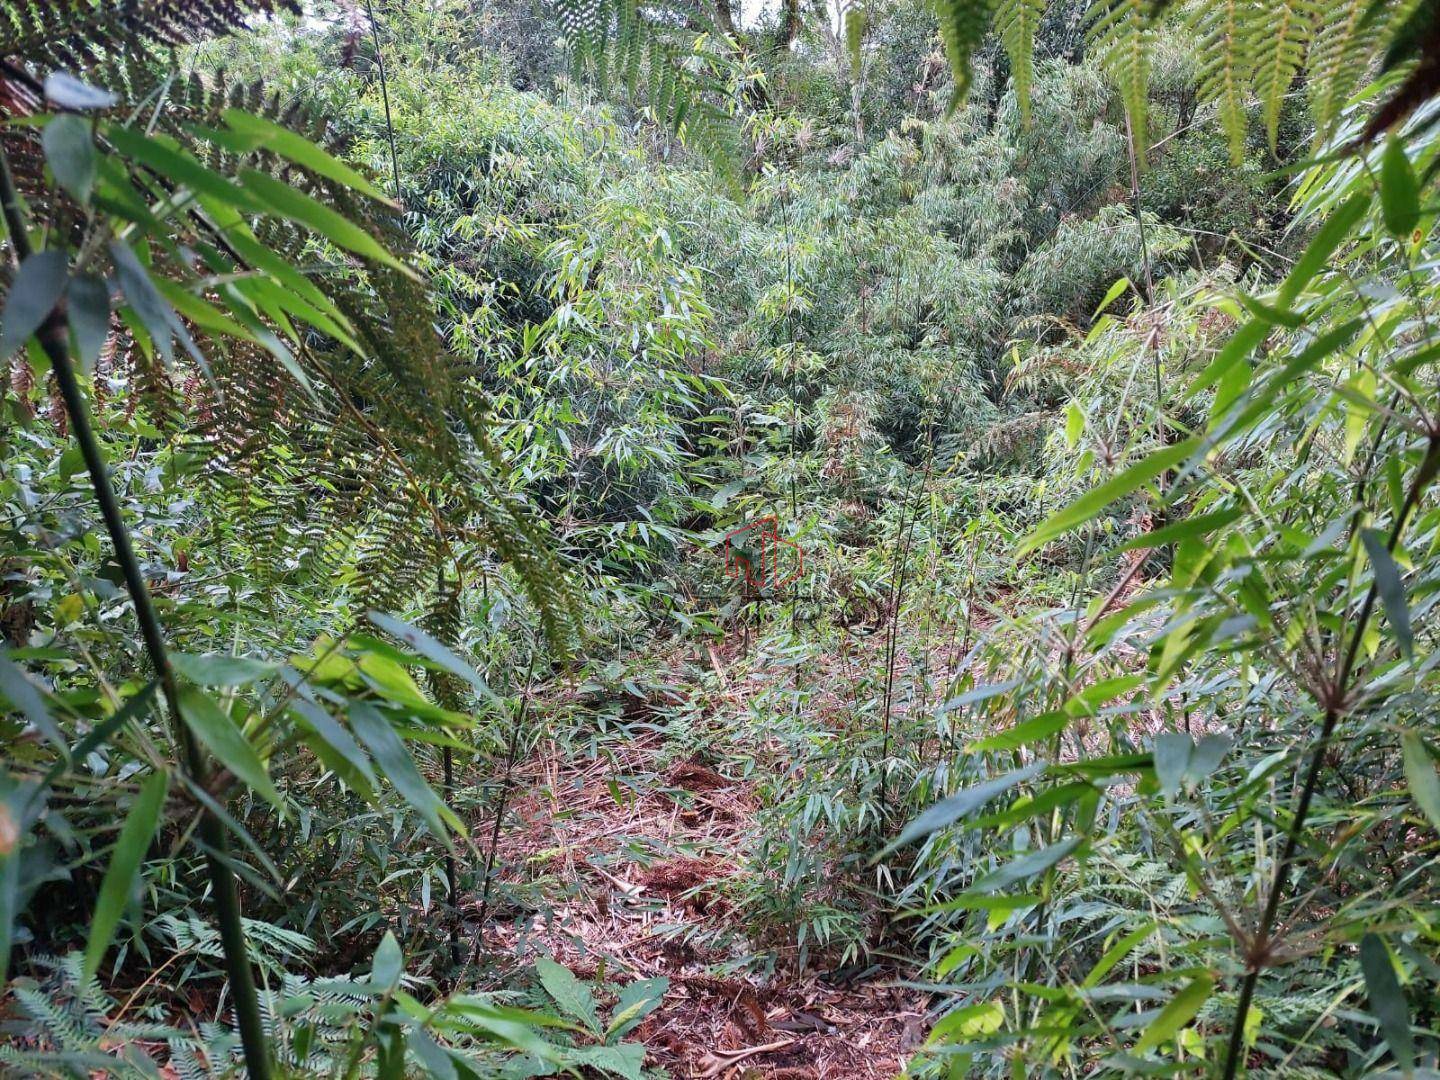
(227, 742)
(949, 810)
(300, 150)
(134, 841)
(432, 649)
(1027, 866)
(1179, 1012)
(300, 208)
(1391, 588)
(1091, 503)
(1420, 775)
(38, 286)
(1387, 1001)
(24, 695)
(1399, 191)
(217, 669)
(379, 737)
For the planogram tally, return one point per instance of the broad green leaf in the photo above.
(636, 1001)
(572, 995)
(1172, 758)
(38, 286)
(227, 742)
(1387, 1001)
(388, 964)
(1399, 191)
(70, 152)
(1179, 1012)
(135, 837)
(300, 208)
(1327, 238)
(1391, 588)
(87, 306)
(16, 687)
(1027, 866)
(217, 669)
(293, 147)
(1091, 503)
(378, 736)
(953, 808)
(1025, 733)
(356, 766)
(434, 650)
(1420, 775)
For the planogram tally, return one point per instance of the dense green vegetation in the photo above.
(384, 690)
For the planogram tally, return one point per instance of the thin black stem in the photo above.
(510, 754)
(384, 93)
(54, 339)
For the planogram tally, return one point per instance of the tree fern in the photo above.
(1016, 22)
(1122, 34)
(1226, 62)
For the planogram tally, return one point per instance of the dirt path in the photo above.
(634, 864)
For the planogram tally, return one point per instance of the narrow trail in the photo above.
(629, 856)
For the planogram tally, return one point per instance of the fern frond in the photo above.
(1280, 33)
(963, 25)
(1345, 43)
(614, 39)
(1224, 30)
(74, 33)
(1122, 35)
(1016, 22)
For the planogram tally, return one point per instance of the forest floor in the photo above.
(629, 878)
